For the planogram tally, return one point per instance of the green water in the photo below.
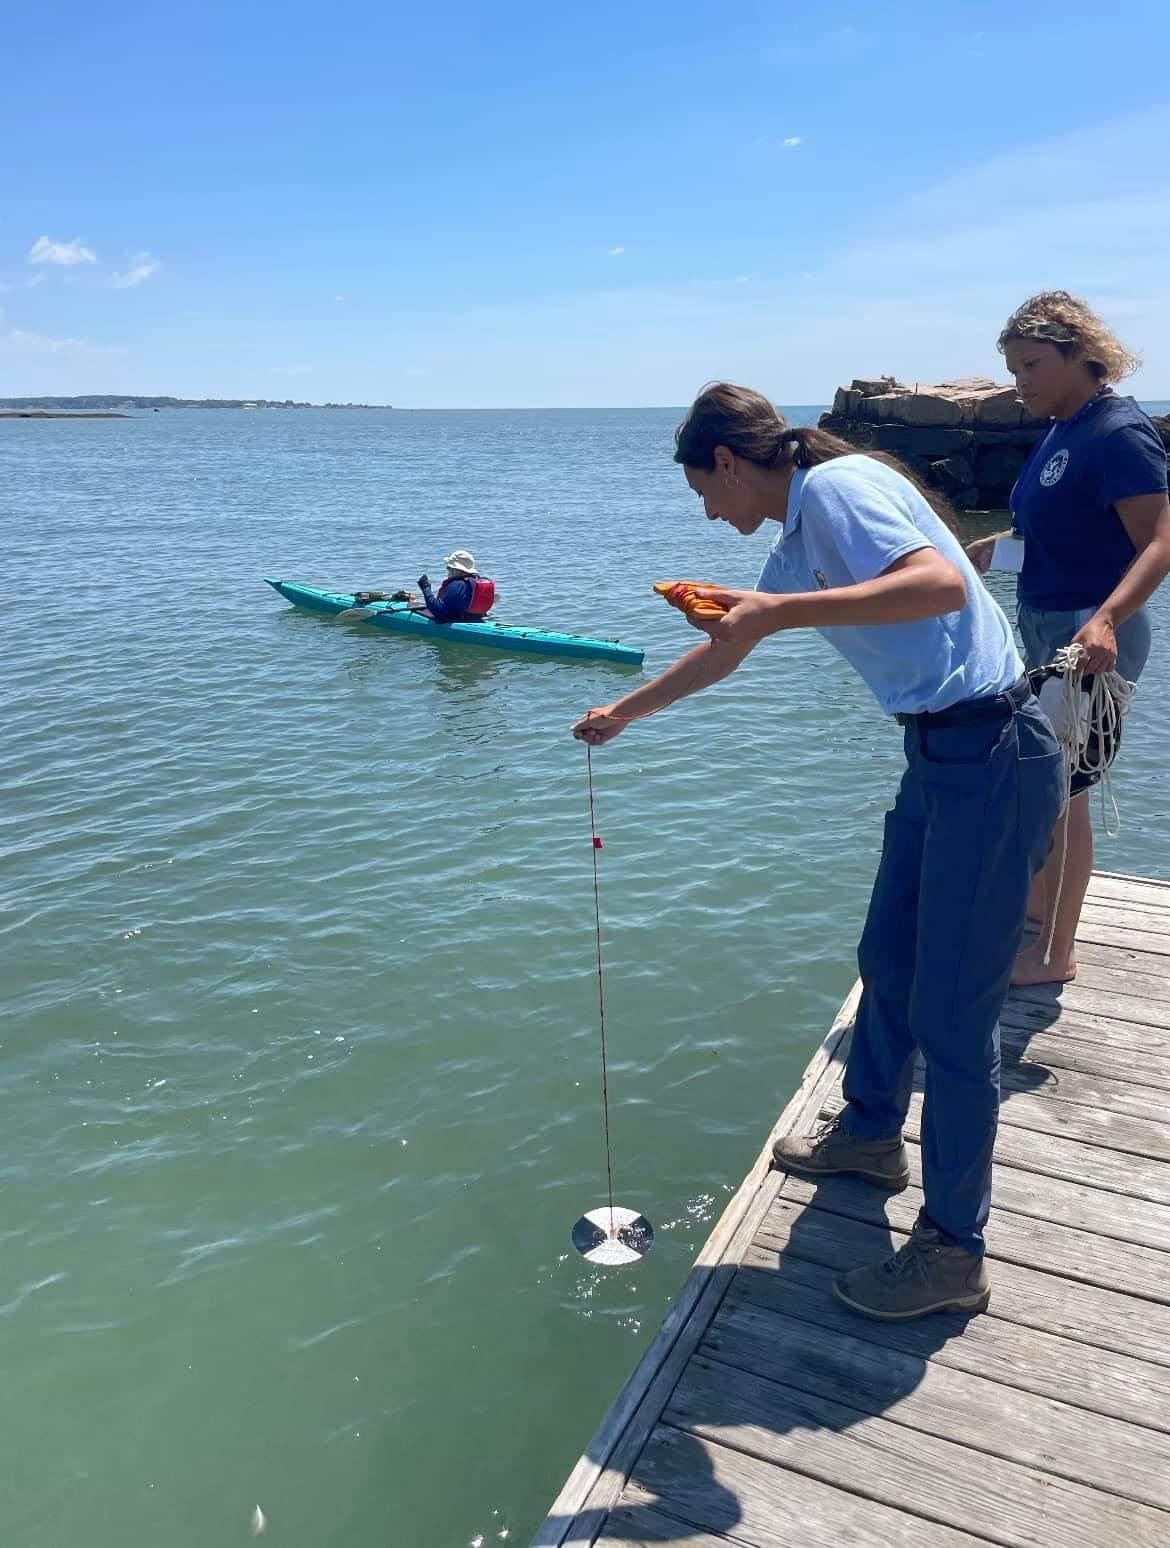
(300, 1063)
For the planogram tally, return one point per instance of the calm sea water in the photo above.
(300, 1060)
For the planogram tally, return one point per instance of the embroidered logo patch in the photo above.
(1053, 470)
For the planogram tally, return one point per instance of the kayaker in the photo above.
(863, 558)
(465, 596)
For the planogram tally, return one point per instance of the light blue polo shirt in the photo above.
(848, 521)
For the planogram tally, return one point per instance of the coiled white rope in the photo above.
(1087, 722)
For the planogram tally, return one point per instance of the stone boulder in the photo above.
(999, 409)
(968, 437)
(905, 441)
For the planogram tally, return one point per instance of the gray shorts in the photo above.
(1044, 632)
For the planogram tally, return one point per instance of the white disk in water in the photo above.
(613, 1237)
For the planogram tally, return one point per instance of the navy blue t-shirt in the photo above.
(1076, 548)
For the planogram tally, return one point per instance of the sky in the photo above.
(456, 205)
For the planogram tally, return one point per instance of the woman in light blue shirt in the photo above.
(864, 558)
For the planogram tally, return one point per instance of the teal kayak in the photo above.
(399, 619)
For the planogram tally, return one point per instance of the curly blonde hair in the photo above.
(1055, 317)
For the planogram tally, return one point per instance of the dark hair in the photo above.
(748, 425)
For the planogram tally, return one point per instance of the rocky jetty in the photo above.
(969, 437)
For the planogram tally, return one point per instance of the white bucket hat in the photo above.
(462, 561)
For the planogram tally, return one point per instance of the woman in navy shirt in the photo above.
(1092, 508)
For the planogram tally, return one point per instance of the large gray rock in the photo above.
(969, 437)
(955, 476)
(996, 470)
(1000, 409)
(847, 402)
(930, 409)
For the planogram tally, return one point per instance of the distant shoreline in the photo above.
(6, 413)
(110, 405)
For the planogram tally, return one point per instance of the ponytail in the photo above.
(747, 424)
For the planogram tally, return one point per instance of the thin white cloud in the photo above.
(792, 142)
(44, 250)
(43, 344)
(142, 267)
(38, 278)
(615, 252)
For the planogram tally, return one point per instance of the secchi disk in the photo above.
(613, 1237)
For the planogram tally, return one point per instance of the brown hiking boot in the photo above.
(830, 1152)
(925, 1275)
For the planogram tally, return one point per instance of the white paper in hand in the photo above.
(1008, 554)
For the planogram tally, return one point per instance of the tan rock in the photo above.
(927, 407)
(847, 402)
(964, 386)
(870, 387)
(880, 406)
(999, 409)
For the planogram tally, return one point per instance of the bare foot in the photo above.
(1030, 968)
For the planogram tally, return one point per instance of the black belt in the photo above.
(998, 707)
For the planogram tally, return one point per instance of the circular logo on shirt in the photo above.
(1053, 470)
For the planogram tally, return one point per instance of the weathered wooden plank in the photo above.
(1136, 913)
(724, 1490)
(1103, 928)
(1063, 1051)
(1047, 1302)
(1076, 1088)
(1087, 1026)
(904, 1468)
(1077, 997)
(1118, 1134)
(1024, 1229)
(1118, 884)
(1121, 975)
(1079, 1145)
(1122, 957)
(637, 1524)
(1060, 1049)
(994, 1348)
(1109, 1084)
(594, 1485)
(1122, 900)
(1099, 1124)
(1132, 1176)
(936, 1399)
(1042, 1196)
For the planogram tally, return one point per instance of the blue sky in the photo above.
(457, 205)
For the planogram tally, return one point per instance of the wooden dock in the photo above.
(764, 1413)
